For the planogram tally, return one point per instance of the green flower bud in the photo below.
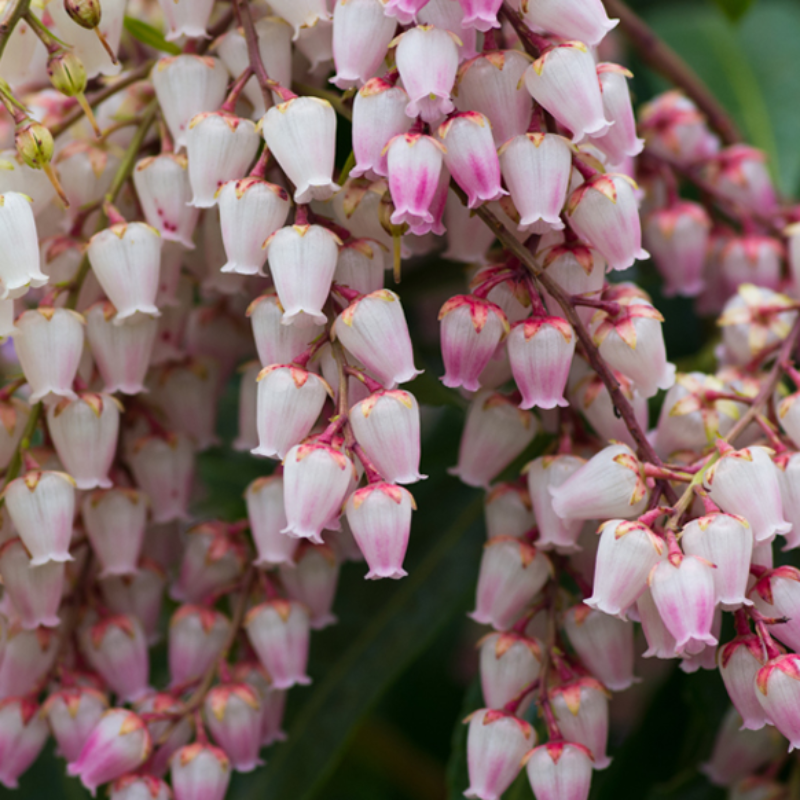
(34, 144)
(86, 13)
(67, 73)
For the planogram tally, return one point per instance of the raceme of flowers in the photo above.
(172, 223)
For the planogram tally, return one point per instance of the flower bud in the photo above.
(543, 473)
(200, 772)
(739, 662)
(186, 18)
(509, 663)
(267, 516)
(86, 13)
(67, 73)
(19, 250)
(569, 19)
(28, 656)
(778, 691)
(196, 637)
(581, 710)
(740, 173)
(560, 770)
(23, 733)
(115, 520)
(233, 715)
(312, 580)
(73, 713)
(34, 143)
(34, 592)
(140, 787)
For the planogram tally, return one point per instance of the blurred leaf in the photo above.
(457, 775)
(734, 9)
(149, 36)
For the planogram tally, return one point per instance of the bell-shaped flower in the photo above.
(267, 516)
(577, 269)
(405, 11)
(543, 473)
(121, 352)
(745, 483)
(496, 743)
(278, 630)
(187, 18)
(197, 635)
(361, 36)
(301, 13)
(316, 478)
(115, 520)
(495, 433)
(776, 594)
(34, 592)
(361, 266)
(233, 715)
(379, 516)
(273, 701)
(620, 141)
(312, 580)
(481, 14)
(86, 171)
(604, 644)
(610, 484)
(42, 506)
(140, 595)
(140, 787)
(581, 710)
(19, 247)
(778, 691)
(277, 343)
(187, 85)
(739, 662)
(73, 712)
(509, 663)
(740, 173)
(626, 555)
(200, 772)
(603, 212)
(752, 259)
(585, 20)
(511, 574)
(508, 511)
(49, 345)
(119, 743)
(28, 656)
(250, 211)
(23, 733)
(301, 134)
(560, 770)
(172, 734)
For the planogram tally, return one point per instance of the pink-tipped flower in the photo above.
(496, 743)
(272, 700)
(480, 14)
(543, 473)
(603, 211)
(250, 211)
(361, 266)
(361, 36)
(727, 542)
(28, 656)
(560, 771)
(301, 134)
(508, 511)
(187, 85)
(511, 574)
(752, 259)
(739, 662)
(745, 483)
(279, 633)
(563, 80)
(471, 330)
(495, 433)
(290, 400)
(140, 595)
(162, 185)
(267, 516)
(471, 156)
(200, 772)
(509, 663)
(23, 733)
(121, 352)
(620, 142)
(776, 594)
(778, 691)
(740, 173)
(140, 787)
(119, 743)
(49, 345)
(414, 165)
(312, 581)
(34, 592)
(610, 484)
(116, 647)
(585, 20)
(115, 520)
(581, 710)
(42, 506)
(405, 11)
(84, 432)
(678, 237)
(379, 516)
(537, 168)
(627, 553)
(73, 713)
(302, 262)
(233, 715)
(19, 263)
(660, 642)
(540, 351)
(604, 644)
(375, 331)
(196, 637)
(277, 343)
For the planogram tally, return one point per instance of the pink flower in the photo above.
(233, 715)
(404, 10)
(277, 343)
(140, 787)
(508, 511)
(777, 594)
(34, 592)
(73, 714)
(23, 733)
(115, 520)
(267, 516)
(174, 736)
(200, 772)
(312, 580)
(620, 142)
(778, 691)
(509, 663)
(481, 14)
(739, 662)
(140, 595)
(560, 771)
(196, 637)
(27, 658)
(361, 266)
(569, 19)
(581, 710)
(543, 473)
(361, 36)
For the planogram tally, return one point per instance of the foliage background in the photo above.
(393, 680)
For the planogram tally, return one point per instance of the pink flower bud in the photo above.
(164, 470)
(379, 516)
(279, 632)
(627, 553)
(196, 637)
(121, 352)
(49, 344)
(115, 521)
(140, 595)
(140, 787)
(560, 771)
(117, 648)
(620, 142)
(42, 506)
(73, 713)
(233, 715)
(187, 85)
(581, 710)
(569, 19)
(495, 433)
(23, 733)
(777, 594)
(752, 259)
(361, 36)
(290, 400)
(250, 211)
(496, 743)
(739, 172)
(186, 18)
(610, 484)
(19, 246)
(277, 343)
(265, 511)
(508, 511)
(511, 574)
(739, 662)
(375, 331)
(778, 691)
(745, 483)
(543, 473)
(34, 592)
(200, 772)
(119, 743)
(27, 657)
(604, 644)
(301, 134)
(603, 211)
(312, 581)
(481, 14)
(162, 185)
(509, 663)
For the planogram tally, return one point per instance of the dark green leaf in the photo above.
(734, 9)
(148, 35)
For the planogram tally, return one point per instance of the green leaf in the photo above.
(149, 36)
(734, 9)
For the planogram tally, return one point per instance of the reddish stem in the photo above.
(229, 106)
